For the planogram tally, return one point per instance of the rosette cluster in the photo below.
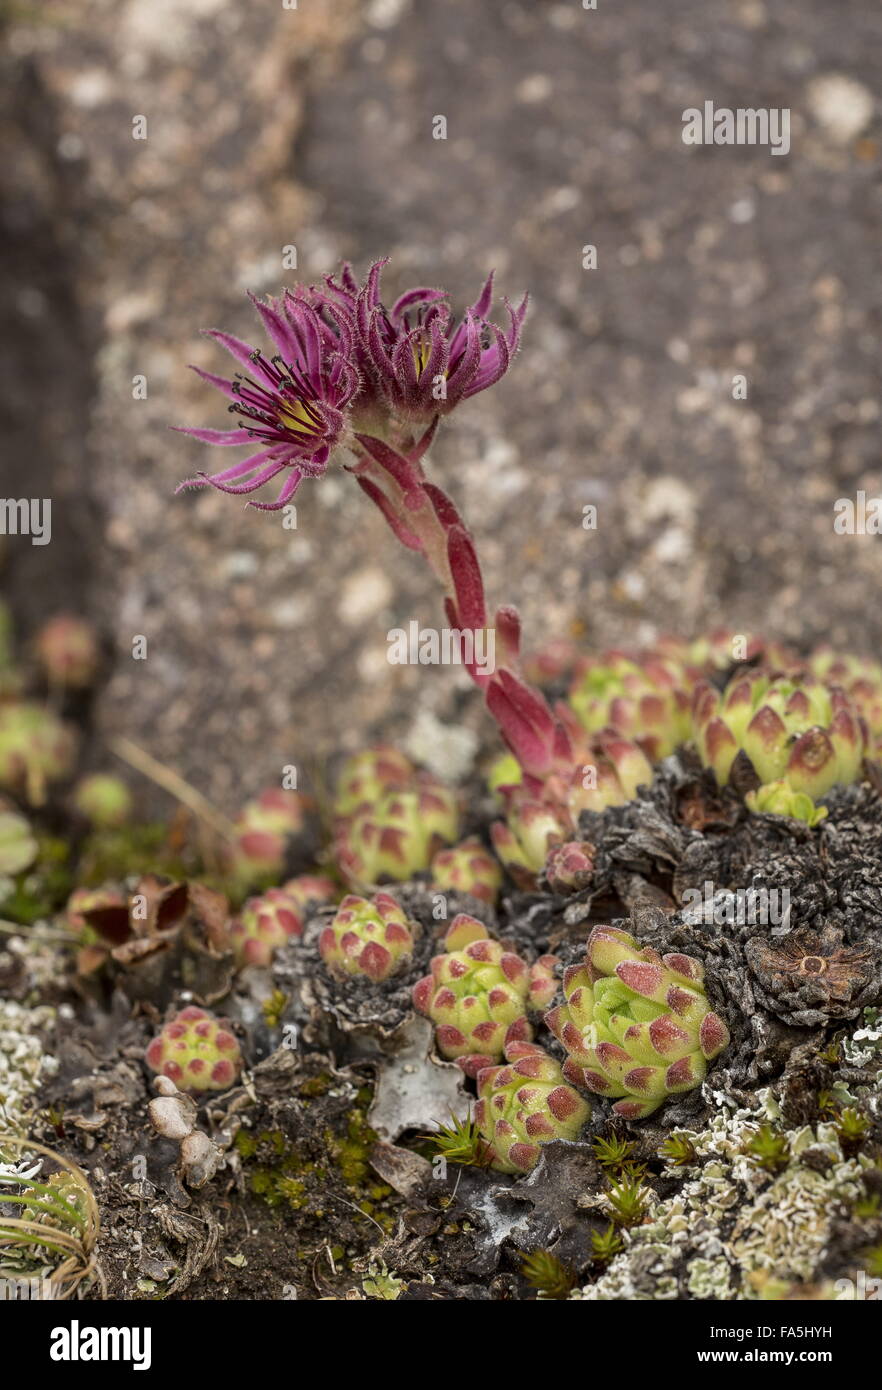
(637, 1026)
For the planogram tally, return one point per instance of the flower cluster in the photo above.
(341, 361)
(349, 371)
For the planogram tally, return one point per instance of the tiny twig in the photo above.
(17, 928)
(174, 784)
(359, 1210)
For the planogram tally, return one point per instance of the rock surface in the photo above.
(270, 127)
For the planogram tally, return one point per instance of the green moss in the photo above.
(316, 1086)
(768, 1148)
(285, 1174)
(43, 888)
(245, 1144)
(274, 1007)
(264, 1183)
(293, 1191)
(130, 849)
(352, 1153)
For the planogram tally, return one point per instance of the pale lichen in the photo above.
(24, 1064)
(730, 1225)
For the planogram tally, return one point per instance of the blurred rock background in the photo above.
(269, 127)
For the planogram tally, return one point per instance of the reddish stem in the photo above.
(425, 519)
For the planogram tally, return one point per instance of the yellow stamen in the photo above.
(295, 416)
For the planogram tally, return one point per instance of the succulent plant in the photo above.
(721, 649)
(861, 679)
(97, 935)
(83, 900)
(398, 835)
(505, 771)
(637, 1026)
(779, 799)
(196, 1051)
(810, 977)
(788, 726)
(467, 868)
(645, 698)
(265, 923)
(610, 772)
(104, 799)
(530, 830)
(67, 650)
(368, 775)
(263, 828)
(570, 867)
(478, 995)
(36, 747)
(368, 937)
(523, 1104)
(310, 891)
(18, 844)
(550, 662)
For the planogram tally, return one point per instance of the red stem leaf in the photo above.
(463, 560)
(379, 498)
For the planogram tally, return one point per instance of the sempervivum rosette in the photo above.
(196, 1051)
(523, 1104)
(861, 679)
(478, 995)
(467, 868)
(397, 836)
(264, 924)
(610, 772)
(789, 726)
(637, 1026)
(645, 698)
(531, 828)
(372, 938)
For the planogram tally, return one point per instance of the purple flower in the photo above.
(293, 405)
(421, 360)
